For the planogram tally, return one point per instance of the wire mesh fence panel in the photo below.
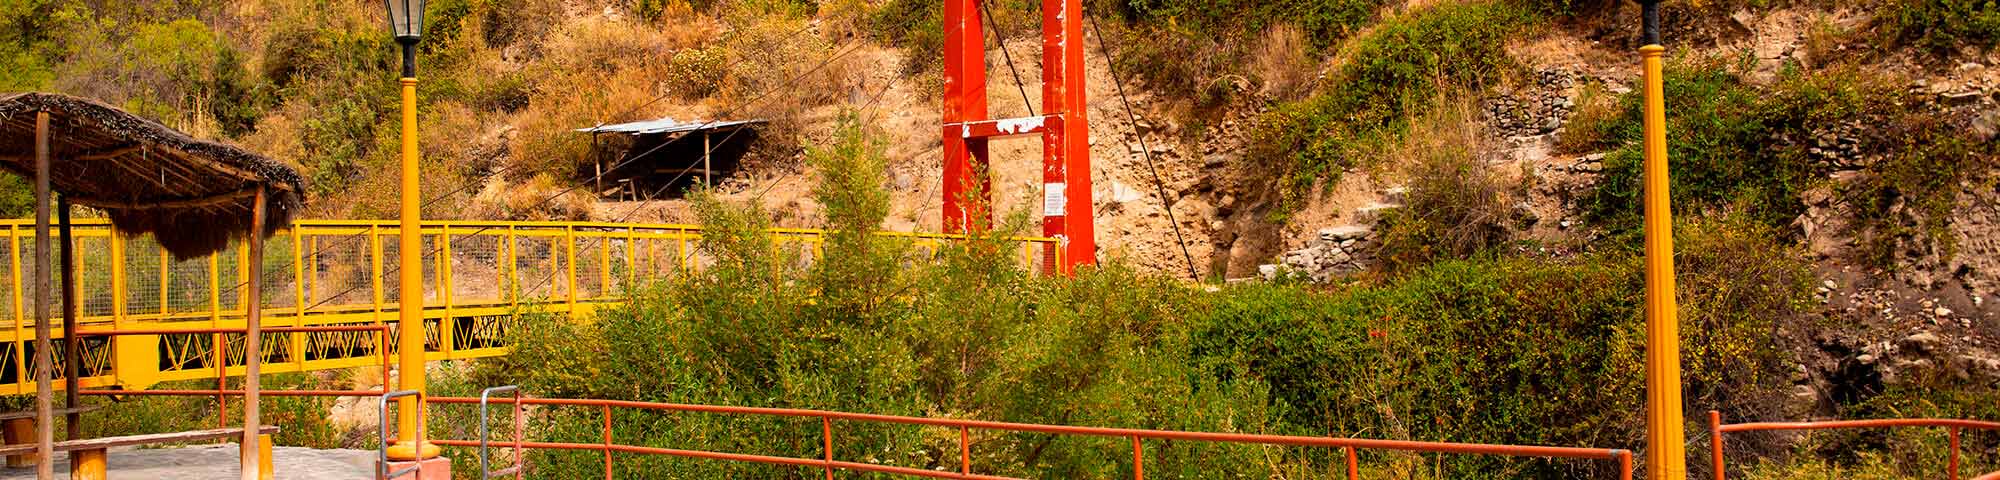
(338, 271)
(187, 286)
(537, 263)
(12, 257)
(476, 264)
(142, 259)
(94, 282)
(230, 277)
(620, 248)
(278, 285)
(392, 258)
(592, 251)
(29, 289)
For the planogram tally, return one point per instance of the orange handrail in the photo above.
(221, 392)
(1952, 426)
(1137, 436)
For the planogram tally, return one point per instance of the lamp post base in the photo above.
(434, 468)
(406, 450)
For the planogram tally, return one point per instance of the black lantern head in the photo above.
(406, 19)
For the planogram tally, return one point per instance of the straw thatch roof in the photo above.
(194, 196)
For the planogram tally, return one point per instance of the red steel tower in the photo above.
(1063, 127)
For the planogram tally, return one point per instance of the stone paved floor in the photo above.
(219, 462)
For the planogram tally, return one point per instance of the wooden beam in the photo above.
(106, 153)
(208, 201)
(45, 434)
(253, 350)
(87, 155)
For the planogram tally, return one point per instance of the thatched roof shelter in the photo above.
(193, 195)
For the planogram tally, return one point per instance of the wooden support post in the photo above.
(45, 434)
(253, 350)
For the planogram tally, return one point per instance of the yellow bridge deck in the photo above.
(480, 277)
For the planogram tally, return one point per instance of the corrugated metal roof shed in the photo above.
(667, 125)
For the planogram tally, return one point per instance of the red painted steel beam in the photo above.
(1002, 128)
(1066, 203)
(967, 189)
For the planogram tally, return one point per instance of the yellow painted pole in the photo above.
(513, 269)
(166, 278)
(1666, 446)
(410, 292)
(569, 252)
(118, 294)
(444, 289)
(20, 318)
(375, 272)
(604, 264)
(301, 298)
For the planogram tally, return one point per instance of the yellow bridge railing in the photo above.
(480, 277)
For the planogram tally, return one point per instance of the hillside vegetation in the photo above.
(1834, 180)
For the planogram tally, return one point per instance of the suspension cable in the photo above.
(789, 86)
(1159, 187)
(468, 184)
(1001, 37)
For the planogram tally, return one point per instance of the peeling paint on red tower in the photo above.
(1064, 128)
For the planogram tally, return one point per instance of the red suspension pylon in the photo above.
(1063, 126)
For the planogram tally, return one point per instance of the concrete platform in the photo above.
(219, 462)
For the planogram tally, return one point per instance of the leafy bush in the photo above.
(1391, 75)
(1505, 350)
(918, 27)
(1457, 206)
(1758, 150)
(1514, 350)
(1941, 27)
(1324, 22)
(871, 328)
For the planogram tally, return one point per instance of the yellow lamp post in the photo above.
(1666, 449)
(406, 20)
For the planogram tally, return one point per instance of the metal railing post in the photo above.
(1138, 459)
(485, 460)
(1953, 466)
(1624, 464)
(1353, 464)
(607, 441)
(1715, 442)
(826, 436)
(382, 452)
(964, 450)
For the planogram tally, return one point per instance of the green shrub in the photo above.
(1757, 150)
(1513, 350)
(871, 328)
(1905, 202)
(918, 27)
(1324, 22)
(1390, 75)
(1941, 27)
(1457, 206)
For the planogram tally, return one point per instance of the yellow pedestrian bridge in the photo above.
(480, 277)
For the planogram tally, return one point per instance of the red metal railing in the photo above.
(1716, 428)
(1138, 437)
(221, 392)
